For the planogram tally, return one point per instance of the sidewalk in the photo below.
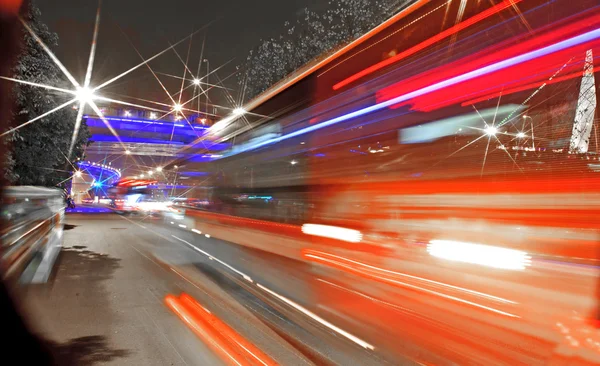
(104, 304)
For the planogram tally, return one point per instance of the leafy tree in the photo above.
(312, 34)
(38, 151)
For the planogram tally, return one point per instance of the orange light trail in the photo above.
(364, 267)
(429, 42)
(207, 333)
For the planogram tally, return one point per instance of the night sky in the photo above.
(237, 26)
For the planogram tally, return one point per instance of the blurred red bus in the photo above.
(449, 162)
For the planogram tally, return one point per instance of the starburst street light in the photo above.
(196, 81)
(159, 169)
(85, 95)
(491, 130)
(239, 111)
(128, 152)
(521, 135)
(78, 174)
(82, 94)
(177, 107)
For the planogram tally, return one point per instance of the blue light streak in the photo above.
(145, 121)
(194, 174)
(513, 61)
(96, 171)
(125, 139)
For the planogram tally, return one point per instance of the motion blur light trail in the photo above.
(485, 255)
(513, 61)
(225, 339)
(319, 319)
(492, 71)
(333, 232)
(431, 41)
(254, 352)
(391, 277)
(211, 257)
(209, 335)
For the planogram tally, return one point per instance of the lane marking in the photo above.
(314, 316)
(210, 256)
(298, 307)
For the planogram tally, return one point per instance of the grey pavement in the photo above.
(104, 305)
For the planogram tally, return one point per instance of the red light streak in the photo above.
(440, 36)
(229, 333)
(483, 85)
(530, 86)
(209, 335)
(379, 274)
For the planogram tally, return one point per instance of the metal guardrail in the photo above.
(31, 237)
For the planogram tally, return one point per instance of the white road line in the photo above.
(212, 257)
(312, 315)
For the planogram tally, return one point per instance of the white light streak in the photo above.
(485, 255)
(196, 231)
(52, 56)
(324, 322)
(105, 99)
(192, 246)
(145, 61)
(389, 272)
(333, 232)
(39, 117)
(49, 87)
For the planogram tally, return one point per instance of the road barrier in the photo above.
(32, 233)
